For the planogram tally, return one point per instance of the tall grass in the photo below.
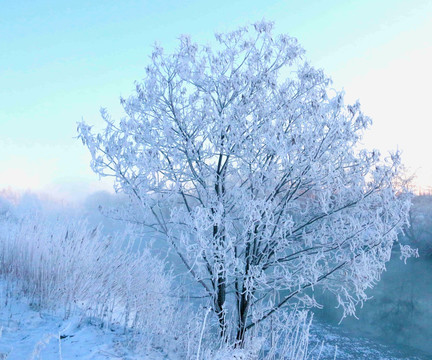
(64, 265)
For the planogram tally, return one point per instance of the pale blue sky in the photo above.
(60, 61)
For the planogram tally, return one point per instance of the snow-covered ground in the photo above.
(29, 334)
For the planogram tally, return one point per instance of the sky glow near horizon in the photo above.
(59, 63)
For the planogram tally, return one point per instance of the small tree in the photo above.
(247, 163)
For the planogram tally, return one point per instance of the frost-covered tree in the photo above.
(245, 160)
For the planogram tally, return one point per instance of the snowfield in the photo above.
(28, 334)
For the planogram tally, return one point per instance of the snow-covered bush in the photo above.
(62, 264)
(285, 336)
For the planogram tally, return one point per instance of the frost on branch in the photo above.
(407, 252)
(249, 167)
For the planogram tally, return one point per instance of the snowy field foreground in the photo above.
(30, 334)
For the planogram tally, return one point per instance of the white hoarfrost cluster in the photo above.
(247, 163)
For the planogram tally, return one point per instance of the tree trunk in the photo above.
(220, 301)
(242, 316)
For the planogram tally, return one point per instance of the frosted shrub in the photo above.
(285, 336)
(287, 342)
(62, 264)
